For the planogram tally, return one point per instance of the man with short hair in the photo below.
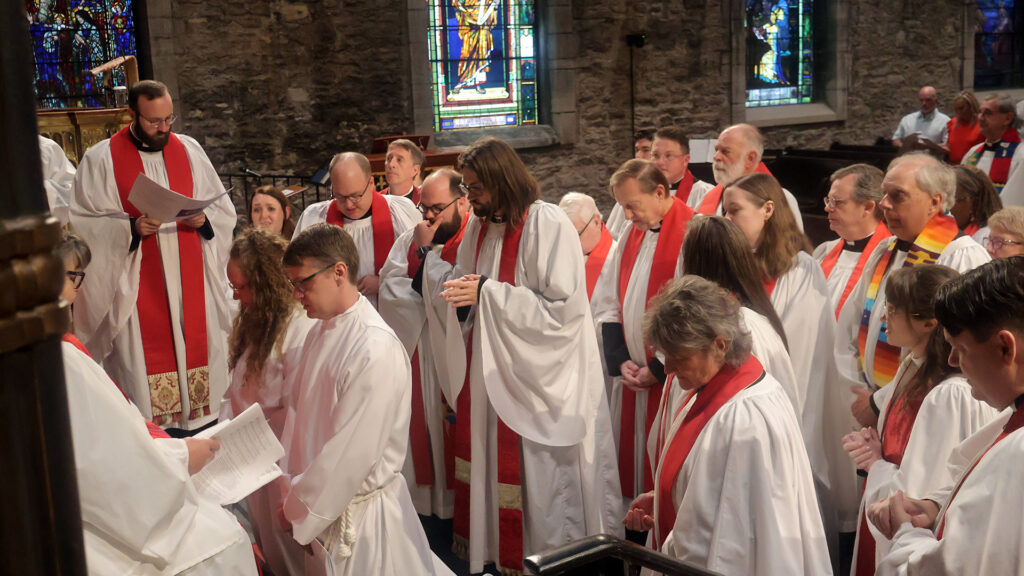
(975, 525)
(1001, 156)
(402, 166)
(919, 190)
(347, 433)
(853, 214)
(373, 219)
(925, 123)
(154, 308)
(445, 212)
(642, 144)
(738, 152)
(534, 456)
(648, 256)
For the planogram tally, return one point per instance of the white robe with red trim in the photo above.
(535, 364)
(403, 309)
(617, 218)
(744, 496)
(140, 512)
(106, 320)
(404, 216)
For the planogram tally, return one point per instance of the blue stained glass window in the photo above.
(780, 52)
(998, 44)
(482, 63)
(70, 37)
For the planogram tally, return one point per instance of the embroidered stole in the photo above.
(152, 301)
(1015, 422)
(510, 495)
(722, 387)
(709, 205)
(880, 233)
(999, 172)
(937, 234)
(596, 260)
(667, 252)
(383, 228)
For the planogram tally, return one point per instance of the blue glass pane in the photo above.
(779, 52)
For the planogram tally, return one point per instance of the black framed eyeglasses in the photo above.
(76, 277)
(155, 123)
(355, 198)
(424, 210)
(584, 229)
(300, 285)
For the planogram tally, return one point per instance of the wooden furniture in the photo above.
(77, 129)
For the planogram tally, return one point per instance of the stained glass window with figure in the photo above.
(70, 37)
(483, 64)
(780, 37)
(998, 44)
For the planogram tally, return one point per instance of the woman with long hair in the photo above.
(963, 129)
(976, 200)
(926, 411)
(271, 210)
(264, 347)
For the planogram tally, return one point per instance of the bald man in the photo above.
(926, 123)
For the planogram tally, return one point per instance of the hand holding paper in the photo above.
(245, 461)
(163, 204)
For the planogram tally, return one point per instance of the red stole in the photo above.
(419, 435)
(152, 300)
(726, 384)
(709, 205)
(971, 229)
(1015, 422)
(663, 269)
(880, 233)
(414, 195)
(685, 187)
(597, 258)
(769, 285)
(383, 228)
(510, 496)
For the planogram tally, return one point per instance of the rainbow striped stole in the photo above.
(1002, 158)
(937, 234)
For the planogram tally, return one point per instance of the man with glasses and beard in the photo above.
(154, 310)
(445, 210)
(374, 220)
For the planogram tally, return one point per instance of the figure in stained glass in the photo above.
(779, 57)
(476, 19)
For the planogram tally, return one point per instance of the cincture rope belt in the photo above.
(340, 536)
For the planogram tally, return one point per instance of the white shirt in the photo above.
(932, 126)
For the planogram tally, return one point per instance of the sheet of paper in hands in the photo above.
(247, 458)
(164, 204)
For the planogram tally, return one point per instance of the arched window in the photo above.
(998, 41)
(70, 37)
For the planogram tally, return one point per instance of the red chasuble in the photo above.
(880, 233)
(722, 387)
(152, 300)
(510, 496)
(596, 260)
(663, 269)
(383, 228)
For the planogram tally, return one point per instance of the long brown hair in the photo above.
(716, 249)
(501, 171)
(259, 326)
(781, 238)
(288, 227)
(913, 291)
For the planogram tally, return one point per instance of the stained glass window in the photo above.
(70, 37)
(482, 61)
(780, 52)
(998, 44)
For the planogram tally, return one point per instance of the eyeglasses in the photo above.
(354, 198)
(300, 285)
(424, 210)
(999, 243)
(244, 286)
(466, 190)
(157, 122)
(584, 229)
(831, 202)
(76, 277)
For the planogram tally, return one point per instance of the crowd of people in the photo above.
(691, 373)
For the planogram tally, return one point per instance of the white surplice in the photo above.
(605, 283)
(140, 512)
(404, 216)
(402, 308)
(535, 365)
(617, 218)
(1013, 191)
(744, 496)
(58, 177)
(841, 272)
(106, 320)
(283, 554)
(346, 441)
(949, 414)
(984, 527)
(768, 348)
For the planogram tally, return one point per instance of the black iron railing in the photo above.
(606, 556)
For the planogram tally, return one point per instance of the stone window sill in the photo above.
(519, 137)
(792, 115)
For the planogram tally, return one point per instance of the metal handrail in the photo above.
(575, 557)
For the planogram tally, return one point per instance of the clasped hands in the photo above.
(462, 291)
(637, 378)
(864, 447)
(888, 514)
(146, 226)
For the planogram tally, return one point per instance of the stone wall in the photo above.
(278, 86)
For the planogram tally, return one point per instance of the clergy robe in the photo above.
(346, 440)
(413, 195)
(58, 177)
(283, 554)
(1012, 192)
(948, 415)
(402, 308)
(980, 521)
(744, 497)
(535, 365)
(106, 316)
(605, 282)
(140, 512)
(768, 348)
(404, 216)
(693, 189)
(843, 273)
